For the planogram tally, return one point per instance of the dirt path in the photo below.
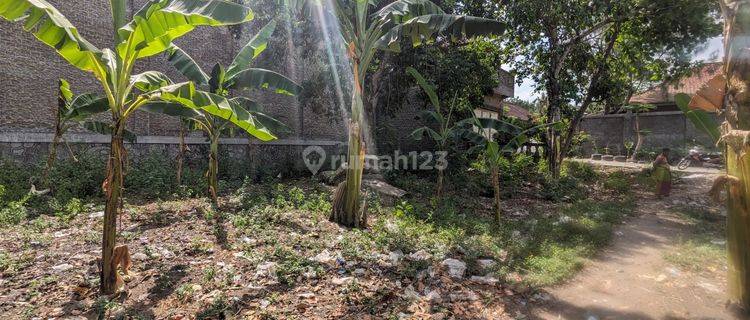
(632, 279)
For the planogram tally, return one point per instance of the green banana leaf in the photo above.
(53, 29)
(425, 27)
(186, 94)
(160, 22)
(185, 64)
(700, 119)
(254, 78)
(251, 50)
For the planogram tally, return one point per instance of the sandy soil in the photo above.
(632, 280)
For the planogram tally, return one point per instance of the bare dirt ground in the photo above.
(632, 279)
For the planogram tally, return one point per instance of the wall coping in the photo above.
(30, 137)
(623, 115)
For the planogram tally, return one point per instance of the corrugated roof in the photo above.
(664, 93)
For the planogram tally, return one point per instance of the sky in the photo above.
(711, 51)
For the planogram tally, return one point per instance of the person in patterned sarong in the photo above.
(662, 174)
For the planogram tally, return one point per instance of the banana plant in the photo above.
(70, 111)
(364, 34)
(446, 131)
(237, 76)
(481, 132)
(149, 33)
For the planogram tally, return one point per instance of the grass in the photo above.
(704, 249)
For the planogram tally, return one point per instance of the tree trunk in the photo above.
(51, 158)
(346, 208)
(112, 191)
(639, 138)
(554, 104)
(213, 171)
(181, 154)
(439, 191)
(495, 176)
(737, 106)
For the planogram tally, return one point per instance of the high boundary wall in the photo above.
(29, 73)
(669, 129)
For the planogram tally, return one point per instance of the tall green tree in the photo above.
(237, 76)
(150, 32)
(363, 33)
(569, 48)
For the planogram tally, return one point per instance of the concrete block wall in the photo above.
(667, 129)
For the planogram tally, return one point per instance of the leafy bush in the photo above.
(580, 171)
(82, 179)
(152, 177)
(617, 181)
(14, 211)
(15, 178)
(71, 209)
(564, 189)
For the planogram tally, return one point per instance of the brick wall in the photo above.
(29, 73)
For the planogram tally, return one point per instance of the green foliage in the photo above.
(81, 179)
(617, 181)
(72, 208)
(580, 170)
(14, 212)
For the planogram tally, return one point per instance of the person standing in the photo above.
(662, 174)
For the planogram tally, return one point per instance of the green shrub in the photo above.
(82, 179)
(564, 189)
(579, 170)
(71, 209)
(14, 211)
(15, 178)
(153, 176)
(618, 181)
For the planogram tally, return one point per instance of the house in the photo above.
(495, 105)
(665, 126)
(662, 96)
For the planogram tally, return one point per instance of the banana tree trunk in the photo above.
(213, 170)
(113, 192)
(639, 138)
(737, 105)
(181, 155)
(347, 209)
(439, 191)
(51, 158)
(495, 176)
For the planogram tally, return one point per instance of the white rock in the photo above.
(342, 281)
(420, 255)
(486, 263)
(140, 256)
(98, 214)
(63, 267)
(264, 303)
(464, 296)
(484, 280)
(395, 257)
(306, 295)
(61, 234)
(359, 272)
(434, 297)
(266, 269)
(456, 268)
(324, 257)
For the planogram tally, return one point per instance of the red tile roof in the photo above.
(664, 93)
